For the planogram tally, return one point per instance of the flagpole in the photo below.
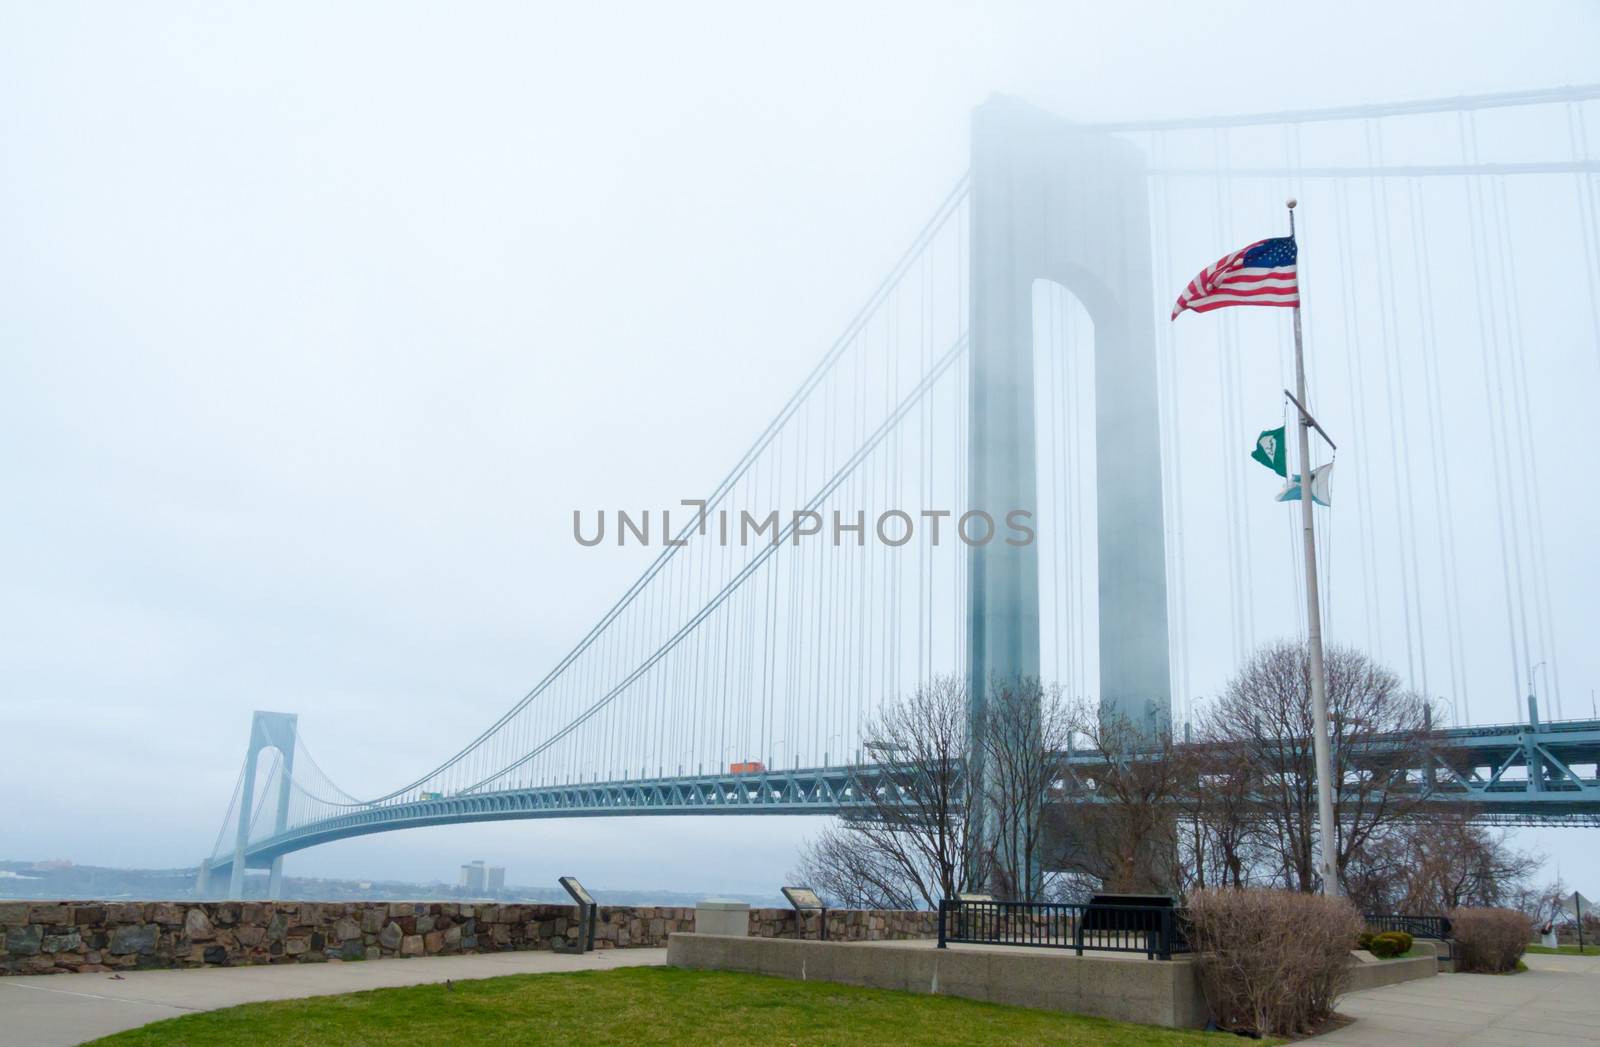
(1328, 865)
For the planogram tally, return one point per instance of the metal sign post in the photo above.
(1574, 905)
(805, 900)
(587, 910)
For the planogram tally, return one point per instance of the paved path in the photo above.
(1556, 1001)
(56, 1009)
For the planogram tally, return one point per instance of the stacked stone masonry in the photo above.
(55, 937)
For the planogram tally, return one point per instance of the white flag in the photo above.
(1320, 494)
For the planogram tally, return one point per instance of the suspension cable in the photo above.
(886, 288)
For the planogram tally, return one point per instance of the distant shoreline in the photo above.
(26, 881)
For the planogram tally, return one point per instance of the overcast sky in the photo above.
(318, 320)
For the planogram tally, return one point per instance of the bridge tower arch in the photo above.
(268, 730)
(1056, 202)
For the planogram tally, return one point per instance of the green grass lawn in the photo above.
(1564, 950)
(645, 1005)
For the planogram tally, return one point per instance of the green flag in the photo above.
(1270, 451)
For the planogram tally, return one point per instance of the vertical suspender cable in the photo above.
(1531, 497)
(1588, 214)
(1439, 455)
(1172, 461)
(958, 580)
(1500, 348)
(1236, 596)
(1486, 337)
(1358, 413)
(924, 479)
(1236, 423)
(1399, 439)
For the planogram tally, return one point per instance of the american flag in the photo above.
(1261, 274)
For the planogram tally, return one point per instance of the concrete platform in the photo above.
(57, 1009)
(1127, 987)
(1124, 986)
(1365, 976)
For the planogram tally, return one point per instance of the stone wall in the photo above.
(844, 925)
(53, 937)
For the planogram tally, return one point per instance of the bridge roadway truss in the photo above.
(1485, 768)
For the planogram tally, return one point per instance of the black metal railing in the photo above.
(1436, 927)
(1156, 931)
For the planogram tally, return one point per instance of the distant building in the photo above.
(478, 878)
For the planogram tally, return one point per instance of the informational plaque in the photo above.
(574, 888)
(803, 898)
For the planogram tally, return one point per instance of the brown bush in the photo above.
(1489, 941)
(1272, 962)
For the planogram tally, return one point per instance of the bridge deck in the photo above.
(1481, 767)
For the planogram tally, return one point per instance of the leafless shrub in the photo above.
(1489, 941)
(1272, 962)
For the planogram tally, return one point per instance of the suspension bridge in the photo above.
(1009, 464)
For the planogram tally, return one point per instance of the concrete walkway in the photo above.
(1556, 1001)
(57, 1009)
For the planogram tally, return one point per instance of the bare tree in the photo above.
(847, 867)
(1455, 864)
(1222, 835)
(1434, 863)
(1376, 877)
(1027, 731)
(1118, 817)
(916, 841)
(1377, 727)
(1541, 902)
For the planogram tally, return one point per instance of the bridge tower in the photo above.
(1056, 202)
(267, 731)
